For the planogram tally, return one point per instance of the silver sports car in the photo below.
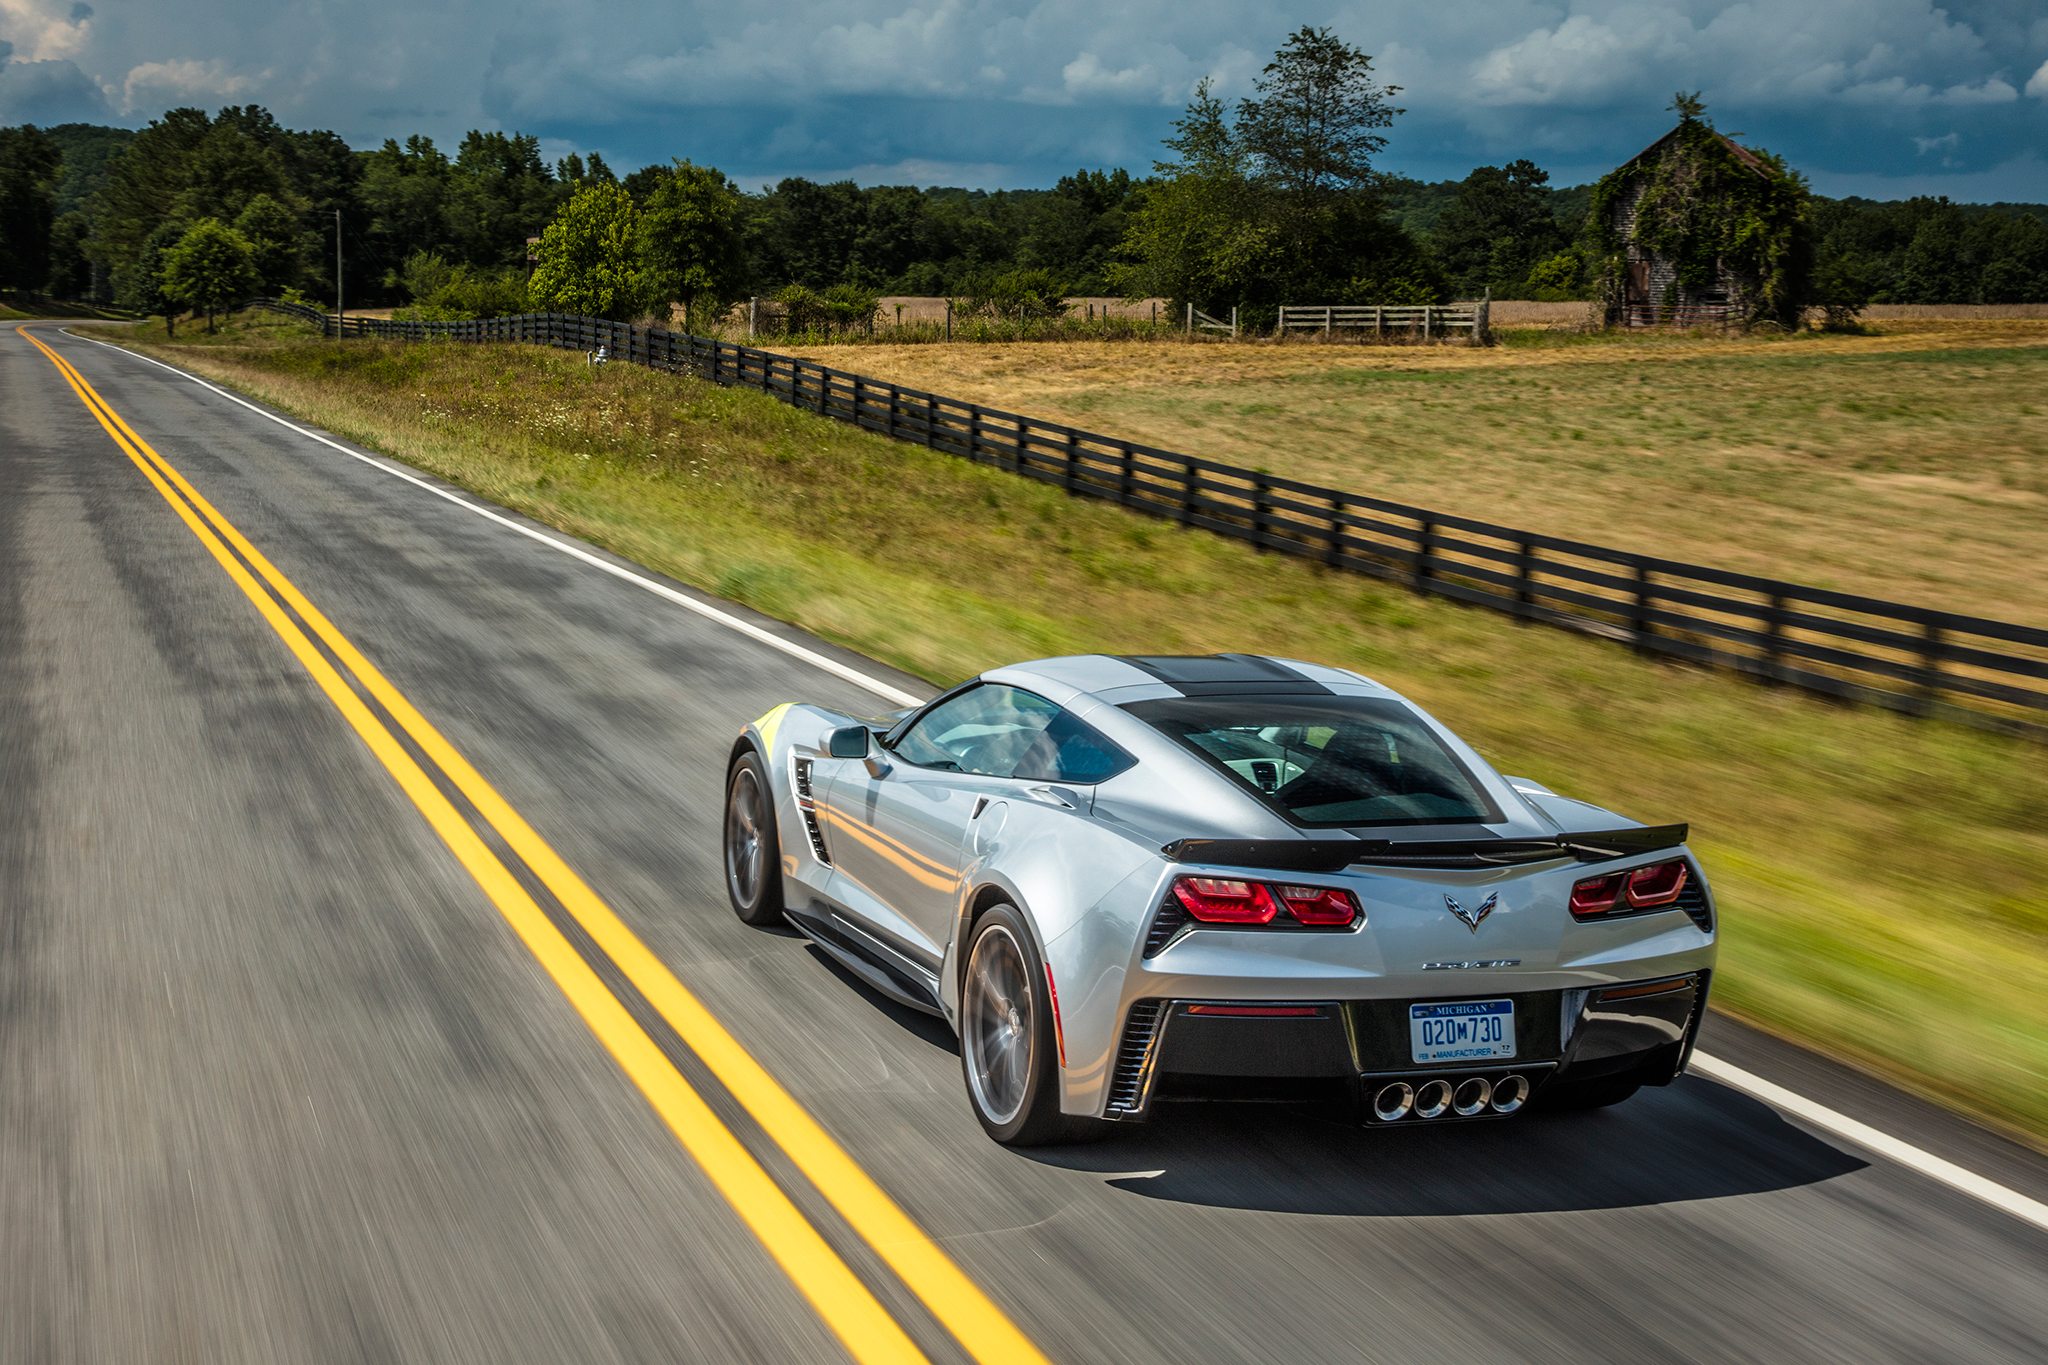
(1131, 880)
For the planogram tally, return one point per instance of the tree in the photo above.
(210, 270)
(1497, 229)
(500, 193)
(588, 259)
(29, 165)
(274, 235)
(1200, 233)
(151, 295)
(1315, 126)
(689, 238)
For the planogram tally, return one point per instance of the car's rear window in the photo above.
(1329, 761)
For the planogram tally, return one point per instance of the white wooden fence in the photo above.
(1430, 320)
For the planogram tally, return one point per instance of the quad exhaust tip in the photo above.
(1467, 1098)
(1433, 1099)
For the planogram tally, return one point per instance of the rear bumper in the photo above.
(1348, 1050)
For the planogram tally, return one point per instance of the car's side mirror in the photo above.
(849, 741)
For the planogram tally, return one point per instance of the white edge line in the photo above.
(1778, 1097)
(1875, 1140)
(747, 628)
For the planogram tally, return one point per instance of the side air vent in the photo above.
(1693, 900)
(1130, 1084)
(804, 803)
(1167, 923)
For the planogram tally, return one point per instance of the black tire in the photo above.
(1008, 1055)
(752, 851)
(1569, 1096)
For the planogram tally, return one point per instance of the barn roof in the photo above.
(1742, 154)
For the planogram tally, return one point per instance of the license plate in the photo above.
(1462, 1031)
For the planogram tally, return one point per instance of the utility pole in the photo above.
(337, 274)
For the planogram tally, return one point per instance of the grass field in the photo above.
(1881, 878)
(1911, 464)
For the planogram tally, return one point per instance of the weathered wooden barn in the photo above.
(1681, 220)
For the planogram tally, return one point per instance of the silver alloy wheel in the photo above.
(999, 1035)
(745, 814)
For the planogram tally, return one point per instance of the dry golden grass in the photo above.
(1911, 464)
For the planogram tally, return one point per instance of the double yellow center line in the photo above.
(840, 1298)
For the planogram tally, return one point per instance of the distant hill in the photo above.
(87, 148)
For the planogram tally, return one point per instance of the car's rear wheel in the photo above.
(1007, 1048)
(753, 853)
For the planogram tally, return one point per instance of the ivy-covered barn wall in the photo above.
(1706, 217)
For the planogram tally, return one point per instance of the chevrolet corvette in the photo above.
(1125, 881)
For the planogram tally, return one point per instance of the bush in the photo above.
(453, 293)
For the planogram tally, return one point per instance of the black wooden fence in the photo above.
(1915, 659)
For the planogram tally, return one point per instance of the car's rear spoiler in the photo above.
(1334, 855)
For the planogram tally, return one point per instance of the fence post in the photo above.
(753, 313)
(1233, 322)
(1379, 322)
(1428, 312)
(1073, 466)
(949, 319)
(889, 418)
(1188, 494)
(1774, 638)
(1262, 511)
(1525, 577)
(1425, 555)
(1125, 473)
(1333, 548)
(1930, 667)
(1328, 313)
(1191, 320)
(856, 400)
(1482, 319)
(1639, 614)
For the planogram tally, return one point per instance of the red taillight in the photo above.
(1658, 884)
(1222, 900)
(1644, 888)
(1596, 895)
(1322, 906)
(1229, 900)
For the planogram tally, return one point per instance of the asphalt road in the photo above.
(278, 1082)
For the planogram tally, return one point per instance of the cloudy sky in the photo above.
(1878, 97)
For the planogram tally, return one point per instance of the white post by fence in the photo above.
(1191, 319)
(1233, 322)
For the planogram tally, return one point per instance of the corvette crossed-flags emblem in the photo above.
(1472, 917)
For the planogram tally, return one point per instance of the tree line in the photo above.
(1278, 199)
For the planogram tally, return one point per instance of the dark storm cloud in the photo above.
(1020, 91)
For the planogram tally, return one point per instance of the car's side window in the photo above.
(999, 731)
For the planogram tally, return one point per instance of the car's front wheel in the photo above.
(1007, 1047)
(753, 853)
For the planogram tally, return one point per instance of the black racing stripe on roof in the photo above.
(1198, 675)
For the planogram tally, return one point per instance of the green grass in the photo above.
(1881, 878)
(1909, 464)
